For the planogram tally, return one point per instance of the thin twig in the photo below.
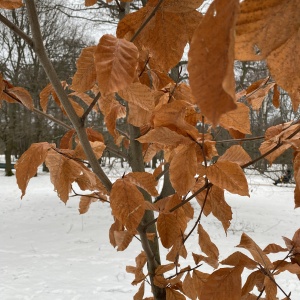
(17, 30)
(147, 20)
(86, 113)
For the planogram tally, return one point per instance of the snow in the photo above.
(49, 251)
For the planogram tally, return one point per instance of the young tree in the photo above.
(127, 75)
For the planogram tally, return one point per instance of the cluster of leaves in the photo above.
(127, 75)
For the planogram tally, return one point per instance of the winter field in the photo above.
(50, 252)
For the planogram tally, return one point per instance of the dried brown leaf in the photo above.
(276, 96)
(270, 288)
(183, 168)
(123, 239)
(168, 229)
(239, 259)
(116, 63)
(228, 175)
(256, 278)
(140, 95)
(211, 60)
(63, 172)
(199, 279)
(85, 76)
(127, 203)
(264, 33)
(90, 2)
(144, 180)
(11, 4)
(67, 140)
(166, 34)
(224, 283)
(256, 252)
(22, 96)
(236, 154)
(85, 202)
(188, 286)
(206, 245)
(237, 119)
(164, 136)
(98, 149)
(172, 294)
(27, 165)
(274, 248)
(140, 293)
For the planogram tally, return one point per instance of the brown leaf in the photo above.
(228, 175)
(293, 268)
(63, 172)
(67, 140)
(258, 255)
(116, 63)
(172, 294)
(206, 245)
(93, 135)
(140, 95)
(274, 248)
(271, 144)
(10, 4)
(116, 226)
(170, 225)
(178, 248)
(211, 60)
(210, 261)
(144, 180)
(255, 86)
(219, 207)
(276, 96)
(85, 76)
(263, 33)
(224, 283)
(85, 202)
(164, 136)
(188, 286)
(257, 98)
(270, 289)
(161, 269)
(237, 119)
(123, 239)
(90, 2)
(256, 278)
(127, 203)
(236, 154)
(27, 165)
(183, 168)
(239, 259)
(22, 96)
(47, 92)
(173, 115)
(168, 229)
(138, 116)
(199, 279)
(97, 147)
(140, 293)
(166, 34)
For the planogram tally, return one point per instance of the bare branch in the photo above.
(51, 73)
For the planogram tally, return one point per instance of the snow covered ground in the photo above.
(49, 251)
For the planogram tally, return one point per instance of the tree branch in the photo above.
(16, 30)
(147, 20)
(39, 48)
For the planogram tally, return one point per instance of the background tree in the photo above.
(20, 65)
